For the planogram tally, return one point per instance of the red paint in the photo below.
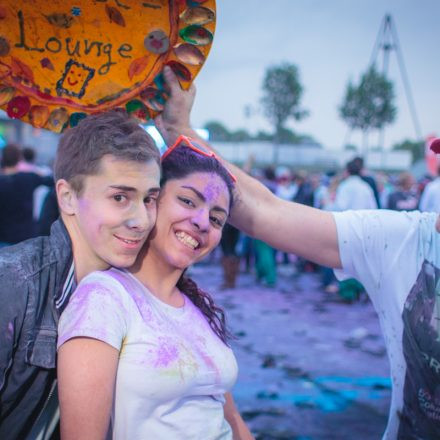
(18, 107)
(435, 146)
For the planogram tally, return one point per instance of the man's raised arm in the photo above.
(290, 227)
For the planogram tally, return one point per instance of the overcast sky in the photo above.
(331, 42)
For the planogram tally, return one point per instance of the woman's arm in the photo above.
(86, 379)
(239, 429)
(287, 226)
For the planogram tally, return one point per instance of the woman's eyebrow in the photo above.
(197, 193)
(203, 198)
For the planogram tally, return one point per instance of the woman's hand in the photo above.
(86, 380)
(239, 429)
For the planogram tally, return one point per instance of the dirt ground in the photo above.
(311, 367)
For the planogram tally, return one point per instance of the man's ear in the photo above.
(66, 197)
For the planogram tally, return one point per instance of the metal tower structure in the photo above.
(386, 42)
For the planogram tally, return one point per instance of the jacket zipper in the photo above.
(36, 430)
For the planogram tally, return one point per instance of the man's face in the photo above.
(115, 212)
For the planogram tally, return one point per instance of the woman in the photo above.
(145, 351)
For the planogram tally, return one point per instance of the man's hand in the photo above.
(174, 119)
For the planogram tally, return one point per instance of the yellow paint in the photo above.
(90, 47)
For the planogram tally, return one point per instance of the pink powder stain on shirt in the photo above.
(166, 354)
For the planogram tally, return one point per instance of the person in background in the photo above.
(430, 198)
(405, 197)
(17, 197)
(265, 263)
(49, 213)
(230, 259)
(353, 192)
(27, 164)
(368, 178)
(286, 187)
(305, 192)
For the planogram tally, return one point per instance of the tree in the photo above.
(240, 135)
(263, 136)
(417, 149)
(350, 147)
(282, 96)
(217, 131)
(370, 104)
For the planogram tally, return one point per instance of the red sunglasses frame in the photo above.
(188, 142)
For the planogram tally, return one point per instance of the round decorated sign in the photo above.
(61, 60)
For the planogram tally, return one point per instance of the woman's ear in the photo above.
(66, 197)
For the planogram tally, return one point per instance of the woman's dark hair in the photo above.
(184, 161)
(180, 163)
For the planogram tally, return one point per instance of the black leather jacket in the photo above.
(32, 274)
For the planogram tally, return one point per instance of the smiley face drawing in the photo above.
(75, 78)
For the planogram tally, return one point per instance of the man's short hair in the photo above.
(81, 148)
(28, 154)
(11, 155)
(359, 161)
(353, 167)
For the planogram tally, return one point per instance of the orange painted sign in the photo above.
(61, 60)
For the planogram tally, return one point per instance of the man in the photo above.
(107, 180)
(367, 178)
(396, 256)
(353, 192)
(404, 198)
(17, 197)
(430, 200)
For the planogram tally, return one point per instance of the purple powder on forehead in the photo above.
(166, 354)
(213, 188)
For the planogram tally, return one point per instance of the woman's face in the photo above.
(190, 217)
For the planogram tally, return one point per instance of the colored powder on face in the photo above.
(214, 188)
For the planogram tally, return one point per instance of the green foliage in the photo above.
(264, 136)
(282, 96)
(370, 104)
(217, 131)
(240, 135)
(350, 147)
(417, 149)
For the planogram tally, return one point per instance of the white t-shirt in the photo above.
(354, 193)
(396, 256)
(173, 369)
(430, 198)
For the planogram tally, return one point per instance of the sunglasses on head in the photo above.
(197, 147)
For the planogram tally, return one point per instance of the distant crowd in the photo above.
(352, 188)
(27, 196)
(29, 207)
